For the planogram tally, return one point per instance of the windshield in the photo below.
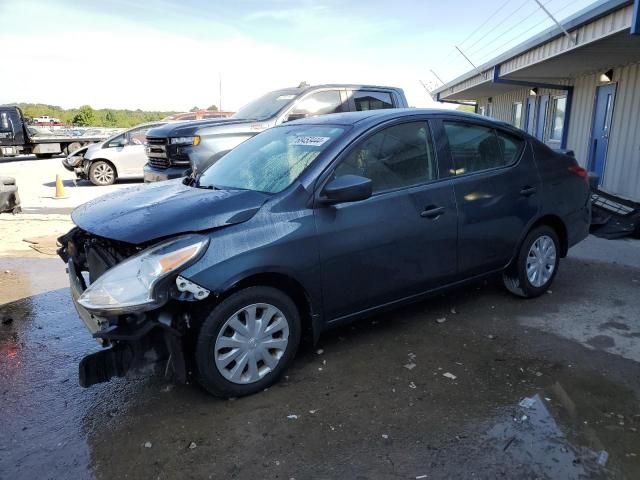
(267, 105)
(272, 160)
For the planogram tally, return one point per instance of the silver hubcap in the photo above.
(251, 343)
(541, 261)
(103, 173)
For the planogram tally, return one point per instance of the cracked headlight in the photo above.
(131, 285)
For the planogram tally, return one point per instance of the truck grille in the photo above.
(157, 152)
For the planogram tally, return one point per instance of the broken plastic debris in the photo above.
(412, 385)
(148, 445)
(385, 436)
(603, 456)
(441, 320)
(292, 417)
(420, 477)
(192, 445)
(410, 366)
(527, 402)
(313, 411)
(449, 375)
(320, 351)
(491, 337)
(454, 311)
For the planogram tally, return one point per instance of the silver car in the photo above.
(120, 156)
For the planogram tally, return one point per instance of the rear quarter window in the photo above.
(371, 100)
(476, 148)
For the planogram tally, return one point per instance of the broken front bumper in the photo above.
(134, 344)
(93, 323)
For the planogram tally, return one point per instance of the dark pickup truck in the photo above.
(177, 149)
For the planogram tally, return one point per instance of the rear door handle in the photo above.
(528, 191)
(432, 212)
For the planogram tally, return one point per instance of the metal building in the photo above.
(576, 87)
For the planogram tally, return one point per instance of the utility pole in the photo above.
(220, 91)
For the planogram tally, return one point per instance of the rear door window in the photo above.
(138, 136)
(371, 100)
(395, 157)
(476, 148)
(319, 103)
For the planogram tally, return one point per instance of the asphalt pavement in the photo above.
(471, 384)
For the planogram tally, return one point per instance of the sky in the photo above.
(173, 55)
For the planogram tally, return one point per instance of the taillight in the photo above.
(579, 171)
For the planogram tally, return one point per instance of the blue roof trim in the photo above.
(589, 14)
(635, 22)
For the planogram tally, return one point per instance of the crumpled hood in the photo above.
(93, 149)
(146, 212)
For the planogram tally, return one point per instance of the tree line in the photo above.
(86, 116)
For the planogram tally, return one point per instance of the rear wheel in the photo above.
(247, 341)
(102, 173)
(536, 265)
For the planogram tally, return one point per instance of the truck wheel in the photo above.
(247, 341)
(102, 173)
(536, 265)
(73, 147)
(44, 155)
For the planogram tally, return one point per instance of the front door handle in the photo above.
(528, 191)
(432, 212)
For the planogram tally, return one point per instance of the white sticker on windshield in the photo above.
(286, 97)
(311, 141)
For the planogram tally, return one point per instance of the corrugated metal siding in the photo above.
(622, 170)
(590, 32)
(581, 116)
(502, 105)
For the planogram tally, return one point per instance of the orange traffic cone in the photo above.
(60, 193)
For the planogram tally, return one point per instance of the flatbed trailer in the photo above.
(15, 138)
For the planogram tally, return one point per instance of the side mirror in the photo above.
(295, 116)
(347, 188)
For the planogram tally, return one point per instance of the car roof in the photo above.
(375, 116)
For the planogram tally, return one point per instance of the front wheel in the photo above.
(247, 341)
(536, 265)
(102, 173)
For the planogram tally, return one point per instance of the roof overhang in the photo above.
(602, 40)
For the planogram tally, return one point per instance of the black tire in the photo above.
(515, 278)
(72, 147)
(102, 173)
(44, 155)
(208, 374)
